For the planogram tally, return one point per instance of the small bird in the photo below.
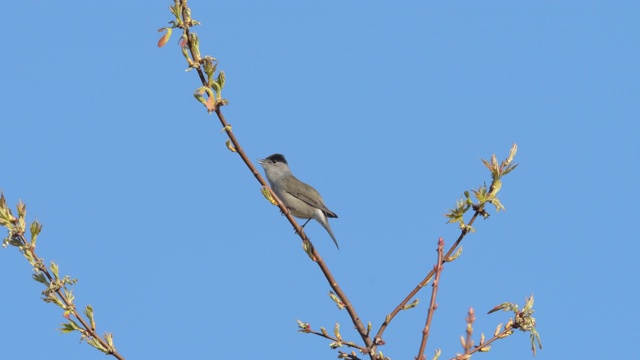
(302, 200)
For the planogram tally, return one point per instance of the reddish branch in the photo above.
(437, 269)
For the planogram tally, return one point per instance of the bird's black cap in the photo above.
(277, 158)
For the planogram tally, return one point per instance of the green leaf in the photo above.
(165, 38)
(88, 311)
(39, 277)
(35, 229)
(411, 305)
(71, 326)
(221, 79)
(54, 269)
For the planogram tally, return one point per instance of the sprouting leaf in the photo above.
(165, 38)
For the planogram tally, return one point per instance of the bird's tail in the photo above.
(325, 223)
(332, 237)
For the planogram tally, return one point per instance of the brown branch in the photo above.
(343, 297)
(432, 304)
(240, 151)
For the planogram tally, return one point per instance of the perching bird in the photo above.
(302, 200)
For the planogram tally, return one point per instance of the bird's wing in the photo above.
(307, 189)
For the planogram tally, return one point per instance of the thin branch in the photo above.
(432, 304)
(357, 322)
(484, 346)
(336, 340)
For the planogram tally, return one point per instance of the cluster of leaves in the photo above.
(483, 194)
(190, 46)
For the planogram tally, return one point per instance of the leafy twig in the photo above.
(58, 289)
(336, 339)
(522, 320)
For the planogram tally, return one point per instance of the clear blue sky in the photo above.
(386, 109)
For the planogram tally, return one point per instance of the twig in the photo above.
(468, 342)
(484, 346)
(306, 328)
(432, 304)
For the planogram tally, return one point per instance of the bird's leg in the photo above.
(305, 223)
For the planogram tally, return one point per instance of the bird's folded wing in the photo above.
(306, 189)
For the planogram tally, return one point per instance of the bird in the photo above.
(302, 200)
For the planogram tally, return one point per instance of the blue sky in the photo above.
(386, 109)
